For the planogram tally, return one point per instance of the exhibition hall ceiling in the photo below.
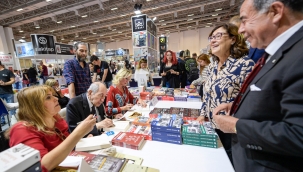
(109, 20)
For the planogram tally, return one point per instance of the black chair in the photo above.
(4, 143)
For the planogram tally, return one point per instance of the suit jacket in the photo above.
(78, 109)
(270, 127)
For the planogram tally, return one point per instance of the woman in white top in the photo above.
(142, 69)
(50, 71)
(203, 61)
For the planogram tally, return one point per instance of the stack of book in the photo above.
(145, 131)
(167, 128)
(128, 140)
(200, 135)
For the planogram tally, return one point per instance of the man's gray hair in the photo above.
(263, 5)
(94, 87)
(76, 45)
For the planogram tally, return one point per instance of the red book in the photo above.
(128, 140)
(88, 157)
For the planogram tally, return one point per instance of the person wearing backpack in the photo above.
(192, 70)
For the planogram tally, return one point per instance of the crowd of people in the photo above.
(254, 101)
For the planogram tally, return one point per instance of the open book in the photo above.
(93, 143)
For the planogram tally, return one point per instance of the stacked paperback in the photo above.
(200, 134)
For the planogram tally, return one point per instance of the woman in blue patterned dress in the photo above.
(226, 74)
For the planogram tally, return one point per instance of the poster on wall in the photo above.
(24, 49)
(43, 44)
(64, 49)
(139, 39)
(139, 23)
(151, 27)
(7, 61)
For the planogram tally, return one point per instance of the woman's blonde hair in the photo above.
(31, 106)
(50, 82)
(122, 73)
(140, 62)
(205, 58)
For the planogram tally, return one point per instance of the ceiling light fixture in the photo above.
(48, 0)
(83, 38)
(95, 21)
(207, 26)
(62, 39)
(20, 30)
(154, 8)
(163, 24)
(208, 23)
(219, 9)
(37, 27)
(155, 18)
(189, 19)
(167, 30)
(73, 26)
(214, 15)
(23, 37)
(84, 15)
(59, 21)
(161, 20)
(120, 32)
(20, 9)
(94, 33)
(114, 8)
(123, 15)
(114, 29)
(190, 15)
(52, 31)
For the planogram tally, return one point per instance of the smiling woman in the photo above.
(41, 127)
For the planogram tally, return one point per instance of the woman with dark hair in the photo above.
(226, 74)
(170, 70)
(203, 61)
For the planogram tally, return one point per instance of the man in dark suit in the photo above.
(86, 104)
(268, 123)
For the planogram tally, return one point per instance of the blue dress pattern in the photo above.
(222, 86)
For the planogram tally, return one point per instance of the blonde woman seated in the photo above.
(142, 69)
(203, 61)
(41, 127)
(119, 99)
(63, 100)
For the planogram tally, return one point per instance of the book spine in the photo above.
(165, 129)
(200, 142)
(199, 138)
(200, 135)
(202, 145)
(167, 140)
(164, 134)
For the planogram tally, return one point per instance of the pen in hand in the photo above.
(94, 116)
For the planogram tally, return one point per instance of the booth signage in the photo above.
(43, 44)
(139, 23)
(7, 61)
(64, 49)
(24, 49)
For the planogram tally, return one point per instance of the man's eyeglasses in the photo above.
(217, 36)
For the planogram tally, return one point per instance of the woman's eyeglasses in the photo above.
(217, 36)
(60, 134)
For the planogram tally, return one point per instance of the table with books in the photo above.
(173, 154)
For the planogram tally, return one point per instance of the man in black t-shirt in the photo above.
(101, 68)
(7, 78)
(32, 75)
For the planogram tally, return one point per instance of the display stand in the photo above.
(144, 38)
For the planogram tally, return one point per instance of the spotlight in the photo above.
(137, 8)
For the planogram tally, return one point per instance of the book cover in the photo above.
(138, 129)
(199, 130)
(88, 157)
(103, 163)
(168, 140)
(167, 123)
(93, 143)
(142, 120)
(128, 140)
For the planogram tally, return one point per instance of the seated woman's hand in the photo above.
(86, 125)
(127, 107)
(201, 119)
(118, 116)
(141, 103)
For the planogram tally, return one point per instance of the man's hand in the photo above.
(225, 123)
(127, 107)
(223, 107)
(106, 123)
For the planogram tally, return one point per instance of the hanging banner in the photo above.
(24, 49)
(139, 23)
(162, 46)
(7, 61)
(64, 49)
(43, 44)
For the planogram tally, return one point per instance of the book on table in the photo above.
(93, 143)
(128, 140)
(118, 126)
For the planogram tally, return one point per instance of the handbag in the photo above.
(25, 81)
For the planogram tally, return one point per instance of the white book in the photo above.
(18, 158)
(118, 126)
(93, 143)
